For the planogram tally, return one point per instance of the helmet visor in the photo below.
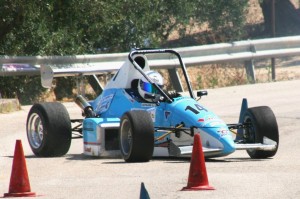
(148, 87)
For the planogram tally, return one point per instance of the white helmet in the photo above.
(145, 87)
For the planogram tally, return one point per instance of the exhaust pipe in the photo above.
(85, 106)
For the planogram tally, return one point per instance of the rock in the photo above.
(9, 105)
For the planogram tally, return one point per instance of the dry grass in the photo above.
(222, 75)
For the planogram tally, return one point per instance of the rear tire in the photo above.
(262, 124)
(49, 130)
(136, 136)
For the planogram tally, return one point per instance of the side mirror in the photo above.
(201, 93)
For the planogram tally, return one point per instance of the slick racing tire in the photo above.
(136, 136)
(262, 124)
(49, 130)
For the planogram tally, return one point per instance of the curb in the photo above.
(9, 105)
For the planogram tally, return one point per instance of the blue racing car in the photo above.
(139, 115)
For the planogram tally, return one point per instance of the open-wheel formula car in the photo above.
(139, 117)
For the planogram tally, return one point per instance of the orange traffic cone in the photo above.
(19, 182)
(197, 175)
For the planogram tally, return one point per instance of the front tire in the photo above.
(49, 130)
(262, 123)
(136, 136)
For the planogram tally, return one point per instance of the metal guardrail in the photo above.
(215, 53)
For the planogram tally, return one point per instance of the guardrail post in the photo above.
(250, 72)
(175, 79)
(273, 69)
(80, 85)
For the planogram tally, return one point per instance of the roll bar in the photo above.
(160, 51)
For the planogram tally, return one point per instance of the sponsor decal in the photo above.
(88, 129)
(88, 149)
(211, 117)
(216, 123)
(88, 126)
(201, 120)
(223, 132)
(148, 105)
(128, 96)
(210, 120)
(207, 119)
(167, 114)
(152, 112)
(104, 103)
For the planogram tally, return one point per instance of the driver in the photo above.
(145, 88)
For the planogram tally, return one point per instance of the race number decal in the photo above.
(200, 108)
(195, 110)
(192, 109)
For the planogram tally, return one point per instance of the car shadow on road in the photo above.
(74, 157)
(180, 160)
(173, 160)
(26, 156)
(86, 157)
(228, 160)
(209, 160)
(67, 156)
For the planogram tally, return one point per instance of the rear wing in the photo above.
(57, 66)
(48, 72)
(14, 69)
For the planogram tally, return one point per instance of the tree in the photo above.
(58, 27)
(287, 17)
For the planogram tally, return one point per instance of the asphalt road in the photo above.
(234, 176)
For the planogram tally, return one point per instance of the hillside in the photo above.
(204, 76)
(199, 35)
(220, 75)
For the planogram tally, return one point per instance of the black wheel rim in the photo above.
(249, 132)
